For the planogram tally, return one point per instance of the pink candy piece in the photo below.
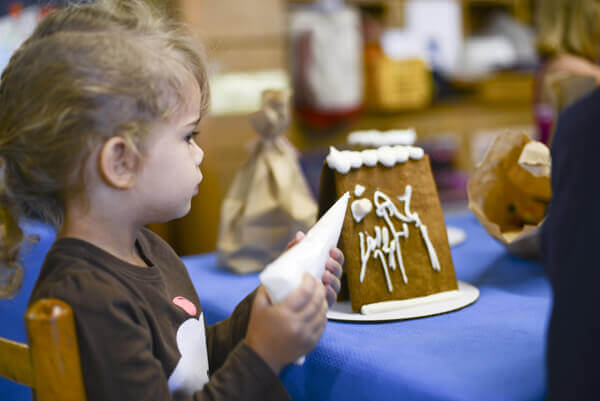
(186, 305)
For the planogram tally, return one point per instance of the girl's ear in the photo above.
(117, 163)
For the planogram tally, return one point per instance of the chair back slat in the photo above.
(54, 351)
(15, 362)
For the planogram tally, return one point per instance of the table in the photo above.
(491, 350)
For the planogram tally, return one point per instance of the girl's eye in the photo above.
(190, 136)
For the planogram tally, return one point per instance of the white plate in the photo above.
(467, 294)
(456, 235)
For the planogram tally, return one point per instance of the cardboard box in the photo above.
(244, 35)
(233, 18)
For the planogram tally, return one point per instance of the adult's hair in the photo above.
(568, 26)
(87, 73)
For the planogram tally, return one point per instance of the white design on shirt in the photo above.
(191, 372)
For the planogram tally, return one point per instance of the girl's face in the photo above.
(169, 171)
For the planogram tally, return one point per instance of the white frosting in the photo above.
(416, 153)
(338, 161)
(387, 238)
(359, 190)
(360, 208)
(369, 157)
(402, 153)
(380, 138)
(344, 161)
(353, 157)
(388, 306)
(386, 155)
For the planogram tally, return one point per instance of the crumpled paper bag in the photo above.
(284, 275)
(269, 199)
(510, 191)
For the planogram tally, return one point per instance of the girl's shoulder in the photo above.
(80, 273)
(72, 272)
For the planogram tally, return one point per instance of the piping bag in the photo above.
(282, 276)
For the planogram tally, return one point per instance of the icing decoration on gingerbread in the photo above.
(388, 156)
(386, 241)
(360, 208)
(359, 190)
(380, 138)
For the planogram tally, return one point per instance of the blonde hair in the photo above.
(87, 73)
(569, 26)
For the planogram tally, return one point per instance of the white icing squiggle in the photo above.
(379, 254)
(386, 206)
(380, 138)
(387, 239)
(344, 161)
(364, 254)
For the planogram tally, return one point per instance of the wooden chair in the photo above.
(50, 363)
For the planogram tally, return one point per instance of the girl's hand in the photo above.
(333, 269)
(283, 332)
(333, 274)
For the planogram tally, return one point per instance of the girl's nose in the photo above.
(199, 153)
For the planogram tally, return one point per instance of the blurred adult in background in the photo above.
(568, 43)
(570, 247)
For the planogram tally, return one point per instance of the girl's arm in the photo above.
(123, 360)
(222, 337)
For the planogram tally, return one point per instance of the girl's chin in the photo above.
(184, 212)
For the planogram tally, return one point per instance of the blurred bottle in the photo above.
(327, 65)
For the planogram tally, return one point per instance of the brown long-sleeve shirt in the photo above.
(141, 331)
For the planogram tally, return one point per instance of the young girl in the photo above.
(97, 116)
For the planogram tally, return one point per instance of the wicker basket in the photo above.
(395, 85)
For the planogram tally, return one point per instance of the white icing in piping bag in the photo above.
(284, 274)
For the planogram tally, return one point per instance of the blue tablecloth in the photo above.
(491, 350)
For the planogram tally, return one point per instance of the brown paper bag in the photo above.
(269, 199)
(510, 191)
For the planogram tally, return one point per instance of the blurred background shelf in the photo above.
(472, 80)
(456, 121)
